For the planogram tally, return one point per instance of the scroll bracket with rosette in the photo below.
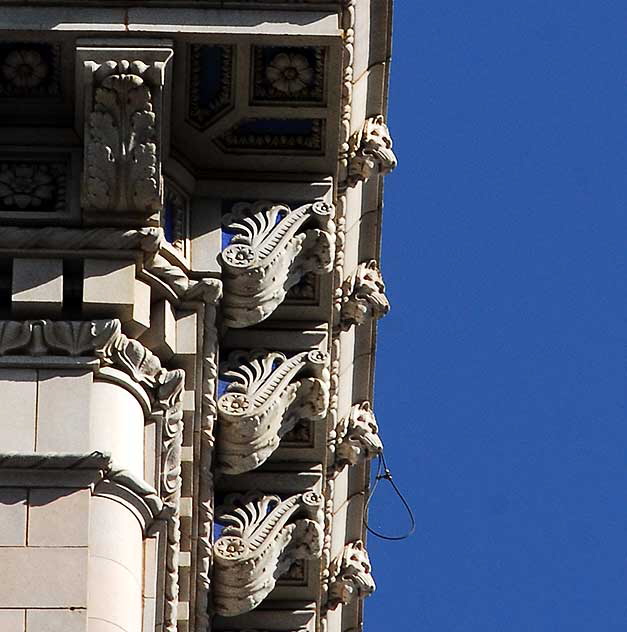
(271, 249)
(267, 395)
(262, 537)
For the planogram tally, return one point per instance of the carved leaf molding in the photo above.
(272, 249)
(122, 154)
(267, 395)
(262, 537)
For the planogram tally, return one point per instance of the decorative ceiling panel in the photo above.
(211, 79)
(285, 136)
(30, 70)
(288, 74)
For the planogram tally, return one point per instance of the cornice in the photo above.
(159, 262)
(191, 17)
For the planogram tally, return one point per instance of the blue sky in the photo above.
(501, 386)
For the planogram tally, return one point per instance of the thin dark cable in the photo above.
(387, 475)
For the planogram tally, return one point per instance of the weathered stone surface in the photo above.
(43, 577)
(19, 395)
(13, 513)
(37, 286)
(12, 620)
(63, 620)
(58, 517)
(63, 420)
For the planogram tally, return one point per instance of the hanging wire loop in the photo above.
(387, 475)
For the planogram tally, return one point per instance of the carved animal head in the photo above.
(366, 297)
(353, 578)
(360, 437)
(371, 150)
(376, 141)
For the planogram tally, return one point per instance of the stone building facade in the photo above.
(190, 216)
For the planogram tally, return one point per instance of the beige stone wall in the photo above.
(72, 561)
(44, 559)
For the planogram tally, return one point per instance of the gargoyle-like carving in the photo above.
(122, 137)
(268, 394)
(272, 249)
(357, 437)
(370, 151)
(363, 296)
(351, 576)
(263, 536)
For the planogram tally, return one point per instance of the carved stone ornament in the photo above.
(263, 536)
(370, 151)
(351, 576)
(267, 395)
(36, 185)
(363, 296)
(105, 340)
(357, 437)
(272, 249)
(122, 170)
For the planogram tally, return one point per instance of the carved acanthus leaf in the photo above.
(267, 395)
(351, 576)
(363, 296)
(263, 536)
(272, 249)
(122, 138)
(356, 437)
(370, 151)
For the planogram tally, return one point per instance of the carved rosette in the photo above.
(122, 170)
(351, 576)
(263, 536)
(370, 151)
(267, 395)
(357, 437)
(105, 340)
(272, 249)
(363, 296)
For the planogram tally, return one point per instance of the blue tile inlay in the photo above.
(210, 82)
(222, 386)
(168, 220)
(278, 127)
